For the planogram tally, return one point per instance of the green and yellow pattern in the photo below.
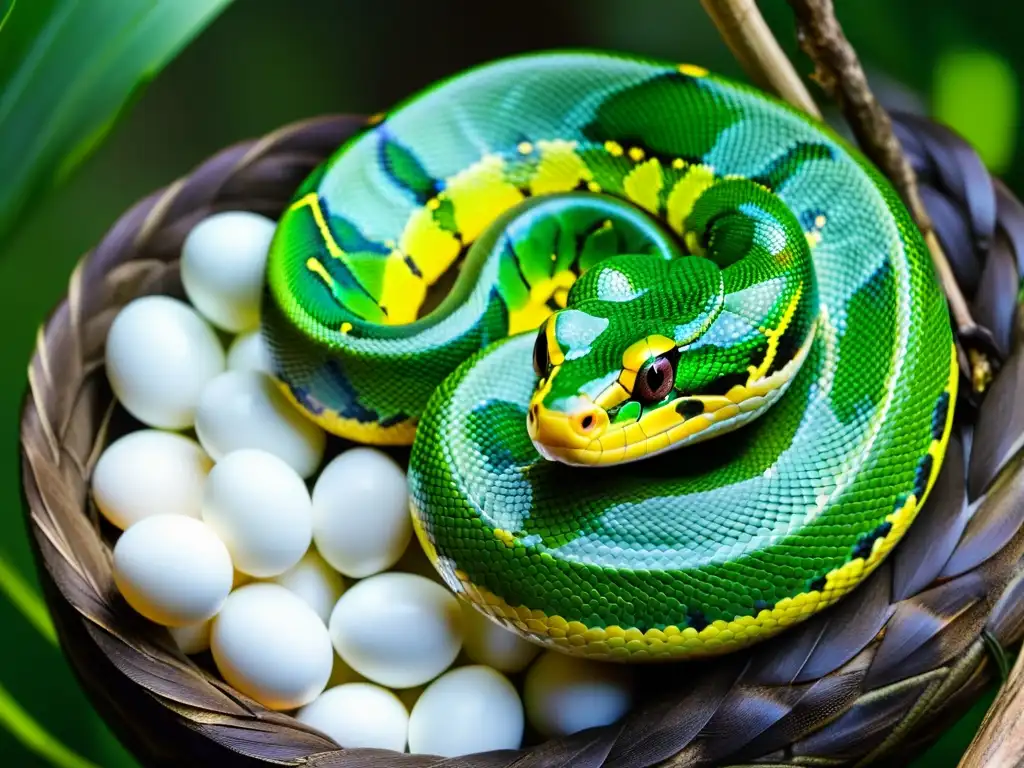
(585, 259)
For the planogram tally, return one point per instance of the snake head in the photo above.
(626, 372)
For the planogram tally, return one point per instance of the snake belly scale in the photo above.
(690, 376)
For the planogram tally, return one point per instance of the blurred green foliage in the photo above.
(263, 63)
(67, 72)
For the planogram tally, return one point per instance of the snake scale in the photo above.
(675, 358)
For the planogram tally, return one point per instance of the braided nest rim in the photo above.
(875, 678)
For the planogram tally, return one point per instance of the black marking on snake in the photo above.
(924, 473)
(785, 167)
(939, 416)
(785, 350)
(695, 618)
(722, 384)
(867, 541)
(690, 408)
(818, 585)
(509, 251)
(412, 266)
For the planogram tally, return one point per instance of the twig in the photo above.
(752, 43)
(1000, 739)
(839, 72)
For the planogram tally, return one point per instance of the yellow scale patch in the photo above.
(623, 643)
(482, 192)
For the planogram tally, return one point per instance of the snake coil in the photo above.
(639, 258)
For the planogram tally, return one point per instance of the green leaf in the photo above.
(68, 70)
(27, 600)
(976, 92)
(36, 738)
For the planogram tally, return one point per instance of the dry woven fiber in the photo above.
(878, 676)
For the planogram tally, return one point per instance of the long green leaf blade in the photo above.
(68, 70)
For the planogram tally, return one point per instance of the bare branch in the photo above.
(839, 72)
(752, 43)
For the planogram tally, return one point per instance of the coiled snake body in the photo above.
(650, 270)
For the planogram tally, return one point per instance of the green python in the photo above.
(571, 260)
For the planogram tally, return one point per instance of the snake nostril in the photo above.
(585, 423)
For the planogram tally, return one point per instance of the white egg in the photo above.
(160, 355)
(148, 473)
(397, 629)
(223, 261)
(244, 409)
(565, 694)
(361, 520)
(172, 569)
(192, 638)
(467, 710)
(249, 352)
(260, 508)
(270, 645)
(314, 581)
(359, 715)
(487, 642)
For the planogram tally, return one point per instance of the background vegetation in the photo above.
(262, 63)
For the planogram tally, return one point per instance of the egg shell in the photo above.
(268, 644)
(192, 638)
(172, 569)
(150, 472)
(223, 261)
(397, 629)
(160, 355)
(260, 508)
(244, 409)
(361, 519)
(249, 352)
(314, 581)
(467, 710)
(487, 642)
(565, 694)
(359, 715)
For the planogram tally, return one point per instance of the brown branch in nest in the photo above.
(839, 72)
(1000, 739)
(752, 43)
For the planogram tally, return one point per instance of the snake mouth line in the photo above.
(668, 427)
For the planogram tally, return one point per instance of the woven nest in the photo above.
(877, 677)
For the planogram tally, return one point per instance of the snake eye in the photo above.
(540, 355)
(654, 380)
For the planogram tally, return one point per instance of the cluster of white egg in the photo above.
(235, 541)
